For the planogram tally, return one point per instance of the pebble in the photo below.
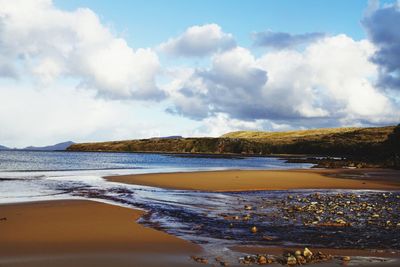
(291, 260)
(254, 229)
(199, 259)
(307, 253)
(262, 260)
(248, 207)
(346, 258)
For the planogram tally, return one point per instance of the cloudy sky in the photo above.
(108, 70)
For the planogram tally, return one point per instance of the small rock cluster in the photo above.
(289, 258)
(199, 259)
(341, 210)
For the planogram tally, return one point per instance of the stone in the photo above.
(291, 260)
(199, 259)
(301, 260)
(346, 258)
(248, 207)
(262, 260)
(254, 229)
(307, 253)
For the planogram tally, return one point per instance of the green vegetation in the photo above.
(374, 144)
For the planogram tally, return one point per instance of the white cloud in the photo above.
(55, 64)
(221, 123)
(43, 116)
(329, 83)
(199, 41)
(40, 40)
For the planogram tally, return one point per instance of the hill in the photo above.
(56, 147)
(363, 144)
(4, 148)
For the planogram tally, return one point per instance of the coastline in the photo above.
(85, 232)
(251, 180)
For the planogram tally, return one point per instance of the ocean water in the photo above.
(33, 175)
(30, 161)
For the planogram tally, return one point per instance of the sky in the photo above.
(113, 70)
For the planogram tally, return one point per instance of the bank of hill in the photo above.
(373, 144)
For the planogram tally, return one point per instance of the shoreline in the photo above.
(254, 180)
(48, 233)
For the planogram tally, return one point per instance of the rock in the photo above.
(246, 217)
(307, 253)
(297, 253)
(291, 260)
(199, 259)
(254, 229)
(248, 207)
(346, 258)
(262, 260)
(221, 261)
(301, 260)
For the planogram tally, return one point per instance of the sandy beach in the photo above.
(84, 233)
(88, 233)
(241, 180)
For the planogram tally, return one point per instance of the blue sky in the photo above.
(147, 23)
(111, 70)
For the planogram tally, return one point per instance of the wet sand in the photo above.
(241, 180)
(84, 233)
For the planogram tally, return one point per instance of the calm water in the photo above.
(32, 175)
(70, 161)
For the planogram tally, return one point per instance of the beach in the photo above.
(92, 233)
(243, 180)
(84, 233)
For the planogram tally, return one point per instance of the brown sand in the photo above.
(237, 180)
(84, 233)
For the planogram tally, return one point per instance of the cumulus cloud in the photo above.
(282, 40)
(231, 85)
(221, 123)
(38, 39)
(48, 115)
(199, 41)
(382, 25)
(330, 83)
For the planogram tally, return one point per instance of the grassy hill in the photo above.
(366, 144)
(372, 134)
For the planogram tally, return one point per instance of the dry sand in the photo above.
(84, 233)
(238, 180)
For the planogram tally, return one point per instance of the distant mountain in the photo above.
(168, 137)
(59, 146)
(4, 148)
